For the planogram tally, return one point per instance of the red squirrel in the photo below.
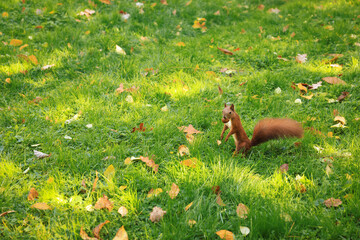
(265, 130)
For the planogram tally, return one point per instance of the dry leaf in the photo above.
(7, 212)
(104, 202)
(274, 10)
(189, 130)
(105, 1)
(244, 230)
(23, 46)
(87, 12)
(33, 59)
(121, 234)
(301, 58)
(188, 206)
(218, 142)
(188, 3)
(315, 85)
(157, 214)
(340, 119)
(332, 202)
(286, 217)
(189, 162)
(242, 211)
(261, 7)
(180, 44)
(217, 13)
(109, 172)
(285, 28)
(342, 96)
(301, 87)
(150, 163)
(190, 138)
(123, 211)
(183, 150)
(33, 194)
(95, 181)
(220, 90)
(284, 168)
(328, 170)
(333, 80)
(219, 201)
(122, 188)
(40, 155)
(154, 192)
(41, 206)
(15, 42)
(97, 229)
(227, 52)
(225, 234)
(339, 125)
(47, 66)
(174, 191)
(129, 99)
(85, 236)
(308, 97)
(191, 222)
(119, 50)
(164, 109)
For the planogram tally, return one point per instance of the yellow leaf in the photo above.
(301, 87)
(105, 1)
(188, 206)
(189, 162)
(123, 211)
(41, 206)
(211, 74)
(183, 150)
(191, 222)
(188, 3)
(52, 12)
(50, 180)
(7, 80)
(180, 44)
(121, 234)
(87, 32)
(122, 188)
(196, 67)
(85, 236)
(33, 59)
(109, 172)
(330, 134)
(24, 46)
(308, 97)
(154, 192)
(5, 15)
(196, 24)
(153, 5)
(174, 191)
(225, 234)
(33, 194)
(340, 119)
(15, 42)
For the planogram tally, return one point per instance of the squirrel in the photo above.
(265, 130)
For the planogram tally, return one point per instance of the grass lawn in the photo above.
(68, 90)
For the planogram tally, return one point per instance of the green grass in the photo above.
(84, 80)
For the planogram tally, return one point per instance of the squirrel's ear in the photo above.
(232, 107)
(225, 105)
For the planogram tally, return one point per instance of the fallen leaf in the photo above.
(188, 206)
(216, 190)
(218, 142)
(120, 89)
(189, 130)
(242, 211)
(164, 109)
(333, 80)
(15, 42)
(123, 211)
(191, 222)
(339, 125)
(129, 99)
(284, 168)
(343, 96)
(301, 87)
(41, 206)
(104, 202)
(315, 85)
(109, 172)
(140, 129)
(154, 192)
(47, 66)
(329, 27)
(274, 10)
(95, 182)
(33, 59)
(183, 150)
(328, 170)
(174, 191)
(5, 14)
(119, 50)
(33, 194)
(23, 46)
(217, 13)
(244, 230)
(7, 212)
(157, 214)
(220, 90)
(285, 28)
(121, 234)
(122, 188)
(40, 155)
(340, 119)
(189, 162)
(150, 163)
(85, 236)
(87, 12)
(261, 7)
(301, 58)
(97, 229)
(227, 52)
(188, 3)
(190, 138)
(225, 234)
(180, 44)
(286, 217)
(308, 97)
(219, 201)
(332, 202)
(106, 1)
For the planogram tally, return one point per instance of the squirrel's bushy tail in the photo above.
(273, 128)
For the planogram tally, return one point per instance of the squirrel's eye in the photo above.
(229, 112)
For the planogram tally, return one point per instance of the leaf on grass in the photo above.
(109, 172)
(123, 211)
(157, 214)
(33, 59)
(140, 129)
(129, 99)
(308, 97)
(242, 211)
(15, 42)
(220, 90)
(340, 119)
(302, 87)
(164, 109)
(180, 44)
(154, 192)
(23, 46)
(191, 222)
(190, 138)
(315, 85)
(216, 189)
(86, 12)
(104, 202)
(183, 150)
(227, 52)
(218, 142)
(343, 96)
(85, 236)
(301, 58)
(334, 80)
(339, 125)
(122, 188)
(41, 206)
(225, 234)
(174, 191)
(189, 130)
(285, 28)
(120, 89)
(106, 1)
(332, 202)
(188, 206)
(189, 162)
(244, 230)
(121, 234)
(119, 50)
(274, 10)
(150, 163)
(286, 217)
(97, 229)
(7, 212)
(219, 201)
(47, 66)
(188, 3)
(328, 170)
(95, 182)
(33, 194)
(284, 168)
(40, 155)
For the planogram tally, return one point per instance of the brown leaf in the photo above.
(33, 59)
(216, 189)
(219, 201)
(106, 1)
(189, 162)
(242, 211)
(227, 52)
(41, 155)
(95, 182)
(217, 13)
(301, 87)
(190, 138)
(225, 234)
(261, 7)
(33, 194)
(343, 96)
(220, 90)
(140, 129)
(333, 80)
(174, 191)
(157, 214)
(7, 212)
(150, 163)
(41, 206)
(120, 89)
(104, 202)
(190, 129)
(292, 34)
(284, 168)
(85, 236)
(164, 2)
(15, 42)
(97, 229)
(332, 202)
(121, 234)
(188, 206)
(285, 28)
(188, 3)
(183, 150)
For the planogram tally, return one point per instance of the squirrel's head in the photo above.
(228, 113)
